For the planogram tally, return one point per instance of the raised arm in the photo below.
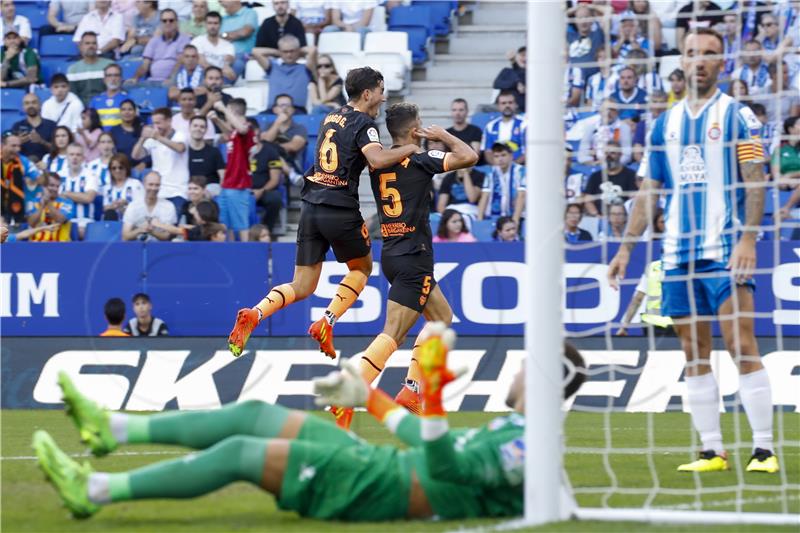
(461, 154)
(379, 157)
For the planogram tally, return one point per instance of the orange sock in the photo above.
(414, 373)
(379, 404)
(346, 295)
(374, 359)
(277, 298)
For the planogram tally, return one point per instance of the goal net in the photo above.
(630, 426)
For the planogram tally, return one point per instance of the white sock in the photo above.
(119, 427)
(703, 395)
(98, 490)
(756, 395)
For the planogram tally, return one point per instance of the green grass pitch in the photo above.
(30, 504)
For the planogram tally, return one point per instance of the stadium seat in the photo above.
(388, 52)
(340, 42)
(311, 39)
(255, 97)
(104, 231)
(481, 119)
(53, 66)
(415, 16)
(35, 14)
(129, 67)
(434, 219)
(311, 122)
(417, 43)
(8, 118)
(58, 46)
(378, 20)
(440, 15)
(483, 229)
(42, 92)
(149, 98)
(11, 99)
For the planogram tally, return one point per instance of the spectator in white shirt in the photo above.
(591, 150)
(79, 184)
(167, 149)
(71, 11)
(352, 15)
(151, 217)
(314, 14)
(214, 50)
(107, 24)
(12, 21)
(63, 107)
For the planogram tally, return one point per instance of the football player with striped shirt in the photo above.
(706, 156)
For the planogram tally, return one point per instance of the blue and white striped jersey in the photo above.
(512, 132)
(697, 158)
(85, 181)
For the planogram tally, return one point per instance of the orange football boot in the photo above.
(343, 415)
(246, 322)
(322, 332)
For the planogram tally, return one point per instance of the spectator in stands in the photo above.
(649, 23)
(188, 73)
(216, 232)
(267, 165)
(602, 83)
(144, 324)
(738, 90)
(20, 64)
(126, 8)
(121, 189)
(128, 131)
(614, 225)
(13, 22)
(677, 87)
(87, 76)
(460, 190)
(463, 130)
(607, 127)
(198, 216)
(585, 35)
(205, 159)
(513, 78)
(167, 148)
(732, 39)
(572, 233)
(769, 34)
(150, 217)
(632, 99)
(696, 14)
(452, 228)
(280, 24)
(327, 93)
(56, 160)
(114, 311)
(786, 159)
(780, 100)
(187, 102)
(108, 103)
(182, 7)
(611, 182)
(751, 13)
(314, 14)
(196, 193)
(35, 132)
(503, 191)
(508, 128)
(574, 181)
(768, 129)
(160, 56)
(214, 51)
(19, 183)
(289, 135)
(505, 230)
(63, 107)
(144, 28)
(195, 25)
(51, 214)
(260, 233)
(350, 15)
(211, 91)
(107, 25)
(629, 37)
(99, 165)
(649, 81)
(657, 106)
(239, 25)
(234, 200)
(286, 75)
(79, 184)
(88, 135)
(5, 236)
(754, 70)
(71, 11)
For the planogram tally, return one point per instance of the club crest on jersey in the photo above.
(692, 165)
(714, 132)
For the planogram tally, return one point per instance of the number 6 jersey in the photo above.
(339, 158)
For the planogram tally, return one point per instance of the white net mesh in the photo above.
(630, 426)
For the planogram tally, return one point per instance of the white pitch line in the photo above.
(725, 503)
(129, 454)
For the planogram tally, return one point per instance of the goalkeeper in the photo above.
(310, 465)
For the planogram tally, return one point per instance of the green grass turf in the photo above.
(30, 504)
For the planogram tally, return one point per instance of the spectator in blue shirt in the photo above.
(629, 37)
(108, 103)
(584, 37)
(632, 99)
(239, 26)
(286, 75)
(509, 128)
(503, 191)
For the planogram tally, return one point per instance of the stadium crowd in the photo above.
(138, 131)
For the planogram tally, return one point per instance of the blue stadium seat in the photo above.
(58, 46)
(483, 229)
(149, 98)
(481, 119)
(129, 67)
(265, 120)
(36, 15)
(42, 92)
(53, 66)
(104, 231)
(11, 99)
(417, 43)
(440, 15)
(435, 218)
(311, 122)
(414, 16)
(8, 119)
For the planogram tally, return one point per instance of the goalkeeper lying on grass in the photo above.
(309, 464)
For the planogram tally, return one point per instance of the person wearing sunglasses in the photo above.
(327, 93)
(160, 56)
(121, 189)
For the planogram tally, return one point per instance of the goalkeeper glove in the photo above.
(437, 340)
(344, 388)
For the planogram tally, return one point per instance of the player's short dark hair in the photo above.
(58, 78)
(241, 103)
(708, 31)
(163, 111)
(114, 310)
(140, 296)
(199, 180)
(574, 369)
(400, 117)
(505, 92)
(213, 15)
(360, 80)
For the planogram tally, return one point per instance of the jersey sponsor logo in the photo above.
(512, 457)
(396, 229)
(692, 165)
(328, 180)
(372, 133)
(436, 154)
